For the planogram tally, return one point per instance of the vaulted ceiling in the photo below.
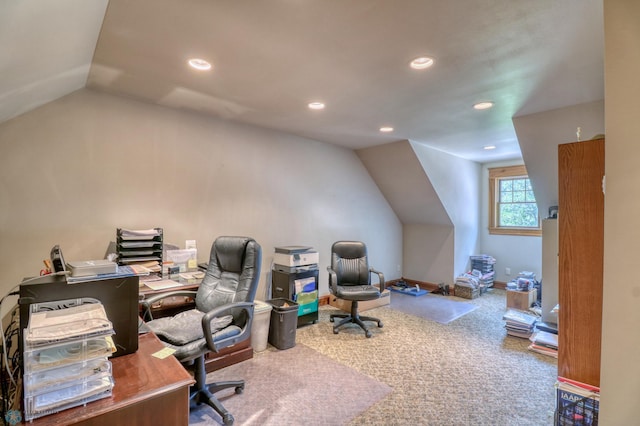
(271, 58)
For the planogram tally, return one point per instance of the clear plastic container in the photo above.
(67, 395)
(63, 354)
(41, 381)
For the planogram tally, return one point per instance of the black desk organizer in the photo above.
(143, 249)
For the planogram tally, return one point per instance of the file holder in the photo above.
(140, 247)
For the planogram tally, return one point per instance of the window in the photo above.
(512, 204)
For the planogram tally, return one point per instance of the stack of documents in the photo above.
(544, 343)
(66, 354)
(519, 323)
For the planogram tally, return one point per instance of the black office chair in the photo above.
(350, 279)
(222, 317)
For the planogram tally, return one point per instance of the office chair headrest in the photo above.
(230, 252)
(349, 249)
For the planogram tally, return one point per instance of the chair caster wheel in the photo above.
(227, 419)
(368, 334)
(380, 325)
(335, 331)
(331, 320)
(239, 389)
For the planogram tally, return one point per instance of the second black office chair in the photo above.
(222, 318)
(350, 279)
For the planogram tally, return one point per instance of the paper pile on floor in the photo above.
(519, 323)
(544, 343)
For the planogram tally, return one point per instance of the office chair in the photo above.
(350, 279)
(222, 316)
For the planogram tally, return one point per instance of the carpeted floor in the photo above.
(467, 372)
(430, 306)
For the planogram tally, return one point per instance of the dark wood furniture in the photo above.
(148, 391)
(172, 305)
(581, 253)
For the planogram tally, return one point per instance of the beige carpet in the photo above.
(296, 386)
(465, 373)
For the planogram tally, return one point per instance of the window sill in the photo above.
(520, 232)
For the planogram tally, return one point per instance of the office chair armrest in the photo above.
(333, 280)
(380, 278)
(245, 333)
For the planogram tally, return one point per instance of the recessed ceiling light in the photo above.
(386, 129)
(316, 105)
(421, 63)
(199, 64)
(483, 105)
(489, 147)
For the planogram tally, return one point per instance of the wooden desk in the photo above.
(148, 392)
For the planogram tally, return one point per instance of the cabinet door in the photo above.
(581, 252)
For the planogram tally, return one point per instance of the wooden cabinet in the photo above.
(581, 251)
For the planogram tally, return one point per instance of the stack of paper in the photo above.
(544, 343)
(519, 323)
(66, 353)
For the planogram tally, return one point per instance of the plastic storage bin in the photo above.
(284, 321)
(260, 325)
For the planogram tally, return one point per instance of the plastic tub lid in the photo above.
(261, 307)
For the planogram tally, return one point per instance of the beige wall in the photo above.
(428, 252)
(457, 183)
(437, 197)
(620, 374)
(74, 170)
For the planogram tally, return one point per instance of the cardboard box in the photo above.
(345, 305)
(521, 300)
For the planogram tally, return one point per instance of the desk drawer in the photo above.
(170, 306)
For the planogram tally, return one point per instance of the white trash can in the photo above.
(260, 325)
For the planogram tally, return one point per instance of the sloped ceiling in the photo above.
(404, 183)
(271, 58)
(46, 48)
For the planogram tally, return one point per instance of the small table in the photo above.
(148, 391)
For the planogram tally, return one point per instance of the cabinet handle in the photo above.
(279, 289)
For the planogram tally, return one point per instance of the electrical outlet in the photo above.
(507, 271)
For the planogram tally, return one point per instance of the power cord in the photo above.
(10, 360)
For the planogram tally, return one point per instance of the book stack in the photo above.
(544, 343)
(519, 323)
(576, 403)
(485, 264)
(65, 357)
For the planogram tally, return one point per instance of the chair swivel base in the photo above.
(355, 318)
(203, 393)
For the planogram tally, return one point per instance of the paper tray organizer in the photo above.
(62, 354)
(66, 346)
(67, 395)
(44, 380)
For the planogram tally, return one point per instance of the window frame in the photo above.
(495, 175)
